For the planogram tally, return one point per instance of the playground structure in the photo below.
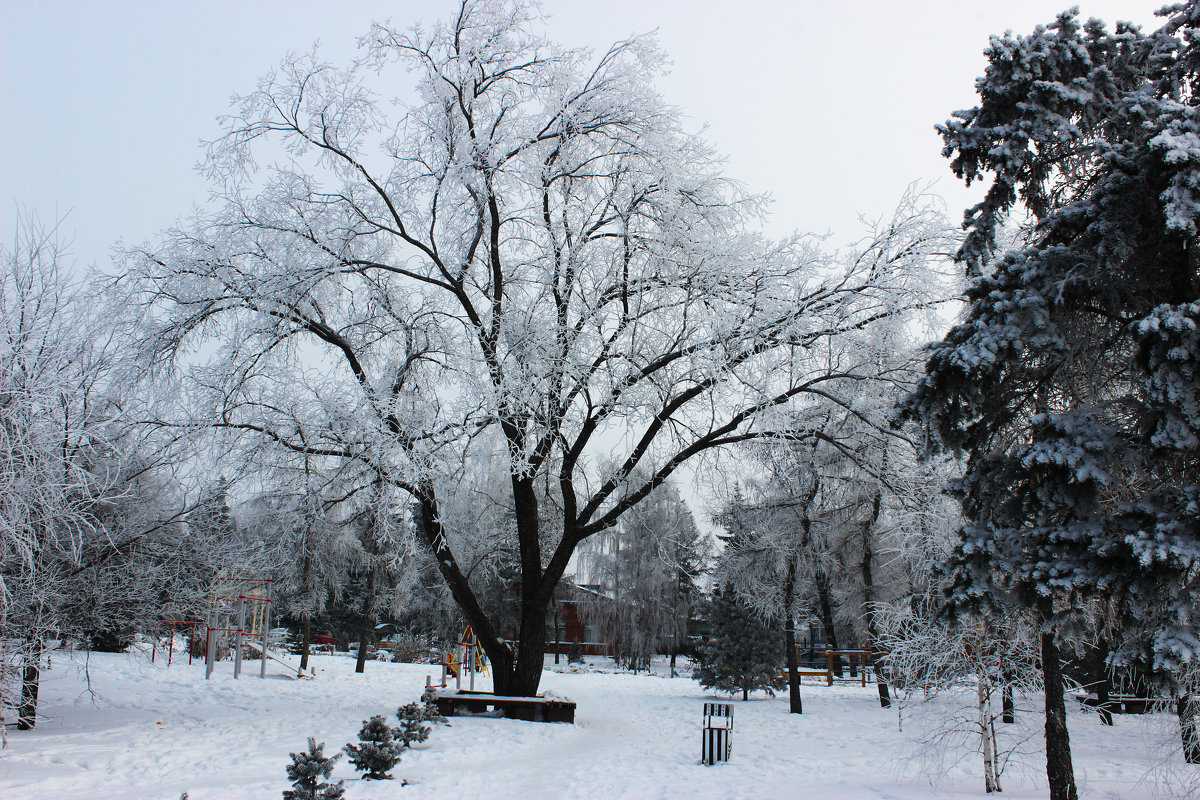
(239, 613)
(466, 653)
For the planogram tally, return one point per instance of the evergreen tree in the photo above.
(745, 653)
(430, 712)
(1070, 383)
(307, 773)
(410, 732)
(425, 711)
(379, 751)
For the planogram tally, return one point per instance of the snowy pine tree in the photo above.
(379, 751)
(307, 773)
(1070, 381)
(744, 654)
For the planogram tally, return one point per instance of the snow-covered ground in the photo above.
(131, 729)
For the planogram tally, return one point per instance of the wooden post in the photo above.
(829, 666)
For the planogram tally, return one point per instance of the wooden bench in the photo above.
(803, 672)
(530, 709)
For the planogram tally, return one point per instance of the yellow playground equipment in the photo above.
(467, 653)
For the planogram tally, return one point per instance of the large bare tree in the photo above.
(531, 261)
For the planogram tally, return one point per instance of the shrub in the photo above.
(379, 751)
(307, 773)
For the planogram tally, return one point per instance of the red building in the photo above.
(574, 622)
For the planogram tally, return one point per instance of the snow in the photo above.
(148, 731)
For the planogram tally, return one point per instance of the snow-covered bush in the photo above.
(411, 648)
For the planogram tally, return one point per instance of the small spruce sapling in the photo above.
(379, 751)
(411, 732)
(307, 773)
(428, 697)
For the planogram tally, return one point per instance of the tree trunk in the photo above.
(1008, 707)
(822, 581)
(304, 643)
(789, 635)
(31, 678)
(368, 622)
(1102, 679)
(1103, 702)
(1189, 730)
(990, 781)
(525, 674)
(1059, 770)
(868, 578)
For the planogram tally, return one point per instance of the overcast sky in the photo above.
(829, 107)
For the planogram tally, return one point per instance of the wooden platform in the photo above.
(530, 709)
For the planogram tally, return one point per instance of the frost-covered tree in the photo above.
(1070, 381)
(818, 511)
(531, 252)
(931, 657)
(309, 549)
(90, 533)
(646, 568)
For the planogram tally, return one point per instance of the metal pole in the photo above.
(237, 656)
(266, 621)
(471, 660)
(210, 652)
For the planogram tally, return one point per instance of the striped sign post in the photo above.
(716, 737)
